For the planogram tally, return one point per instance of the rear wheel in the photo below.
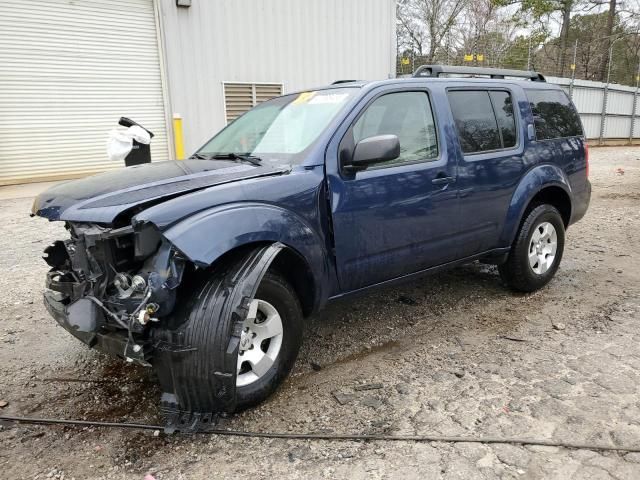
(536, 254)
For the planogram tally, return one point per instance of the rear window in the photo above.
(554, 115)
(484, 120)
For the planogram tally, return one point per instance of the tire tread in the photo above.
(515, 272)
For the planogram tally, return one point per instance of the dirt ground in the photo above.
(454, 354)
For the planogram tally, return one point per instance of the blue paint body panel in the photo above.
(354, 230)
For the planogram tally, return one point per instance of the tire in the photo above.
(274, 291)
(204, 326)
(532, 262)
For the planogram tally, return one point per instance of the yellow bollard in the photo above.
(178, 139)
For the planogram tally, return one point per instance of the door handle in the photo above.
(442, 179)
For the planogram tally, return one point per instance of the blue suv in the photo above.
(206, 269)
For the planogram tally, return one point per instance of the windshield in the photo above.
(282, 128)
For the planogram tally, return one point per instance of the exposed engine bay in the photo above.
(113, 280)
(116, 290)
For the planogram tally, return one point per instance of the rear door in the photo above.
(397, 217)
(491, 147)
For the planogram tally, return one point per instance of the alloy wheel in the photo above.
(543, 248)
(260, 342)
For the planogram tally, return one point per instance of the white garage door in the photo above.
(69, 69)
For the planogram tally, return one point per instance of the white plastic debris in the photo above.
(119, 145)
(139, 134)
(120, 141)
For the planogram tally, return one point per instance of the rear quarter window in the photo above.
(554, 115)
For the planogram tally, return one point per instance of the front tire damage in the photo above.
(197, 361)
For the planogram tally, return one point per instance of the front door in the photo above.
(397, 217)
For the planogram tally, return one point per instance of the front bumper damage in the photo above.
(136, 319)
(105, 285)
(84, 320)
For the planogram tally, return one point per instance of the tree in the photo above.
(565, 8)
(410, 32)
(539, 11)
(585, 33)
(608, 34)
(424, 24)
(522, 52)
(485, 32)
(521, 33)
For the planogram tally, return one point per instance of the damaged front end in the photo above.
(119, 290)
(107, 285)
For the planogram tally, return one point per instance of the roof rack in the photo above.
(337, 82)
(426, 71)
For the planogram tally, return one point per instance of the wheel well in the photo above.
(288, 263)
(555, 196)
(291, 265)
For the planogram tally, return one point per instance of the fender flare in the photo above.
(530, 185)
(206, 236)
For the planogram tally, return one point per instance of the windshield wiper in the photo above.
(199, 156)
(243, 157)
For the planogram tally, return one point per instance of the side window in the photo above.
(475, 121)
(554, 115)
(503, 107)
(407, 115)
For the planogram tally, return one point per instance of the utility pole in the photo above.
(635, 104)
(529, 54)
(603, 116)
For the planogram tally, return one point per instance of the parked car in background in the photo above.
(206, 269)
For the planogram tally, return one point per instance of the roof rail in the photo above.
(426, 71)
(337, 82)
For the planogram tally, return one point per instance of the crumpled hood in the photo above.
(101, 198)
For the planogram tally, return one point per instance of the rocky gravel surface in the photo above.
(452, 354)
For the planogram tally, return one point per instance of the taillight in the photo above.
(586, 157)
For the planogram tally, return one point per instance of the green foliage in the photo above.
(540, 8)
(518, 54)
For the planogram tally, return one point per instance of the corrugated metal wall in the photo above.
(300, 43)
(589, 96)
(68, 71)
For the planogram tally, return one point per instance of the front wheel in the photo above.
(269, 342)
(195, 371)
(536, 254)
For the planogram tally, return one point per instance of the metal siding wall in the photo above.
(301, 44)
(620, 103)
(68, 71)
(588, 100)
(591, 125)
(617, 127)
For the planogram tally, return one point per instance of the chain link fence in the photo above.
(609, 109)
(579, 60)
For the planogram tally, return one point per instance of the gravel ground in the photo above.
(452, 354)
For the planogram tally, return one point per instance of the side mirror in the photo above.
(372, 150)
